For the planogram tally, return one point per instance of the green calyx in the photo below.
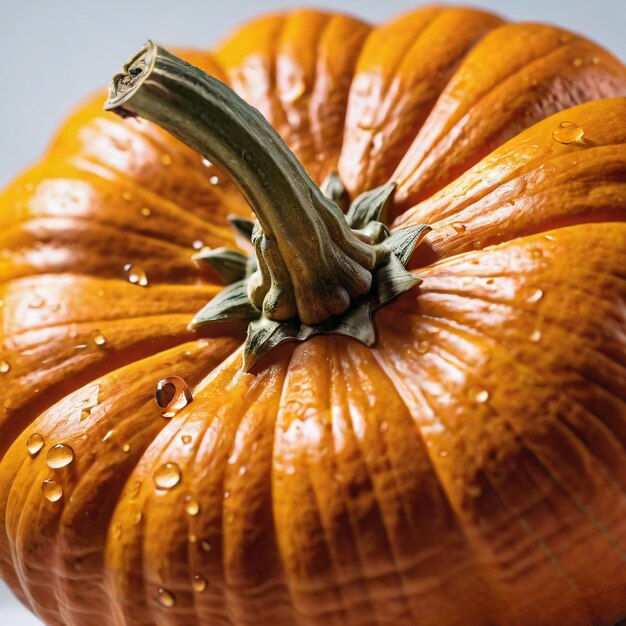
(390, 279)
(320, 265)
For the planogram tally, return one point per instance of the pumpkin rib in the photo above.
(328, 611)
(418, 161)
(327, 124)
(340, 399)
(145, 397)
(304, 31)
(82, 375)
(540, 541)
(457, 327)
(43, 238)
(479, 571)
(252, 49)
(529, 159)
(393, 552)
(422, 64)
(402, 46)
(247, 404)
(227, 200)
(112, 209)
(215, 238)
(141, 164)
(494, 202)
(126, 304)
(335, 581)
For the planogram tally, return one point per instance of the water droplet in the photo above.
(460, 228)
(60, 455)
(117, 530)
(52, 490)
(172, 395)
(192, 506)
(186, 439)
(422, 347)
(595, 60)
(294, 92)
(206, 163)
(98, 338)
(127, 196)
(205, 545)
(167, 476)
(36, 302)
(578, 62)
(34, 444)
(135, 275)
(146, 211)
(199, 583)
(193, 539)
(481, 396)
(84, 414)
(138, 516)
(166, 159)
(535, 336)
(214, 180)
(383, 427)
(197, 244)
(567, 132)
(126, 448)
(535, 296)
(108, 435)
(443, 453)
(4, 367)
(549, 237)
(226, 495)
(166, 598)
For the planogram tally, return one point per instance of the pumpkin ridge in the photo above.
(311, 487)
(77, 485)
(216, 380)
(289, 129)
(405, 180)
(401, 571)
(317, 119)
(408, 141)
(475, 546)
(411, 189)
(343, 369)
(375, 33)
(69, 172)
(217, 199)
(471, 548)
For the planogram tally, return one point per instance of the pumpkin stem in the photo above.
(315, 270)
(311, 265)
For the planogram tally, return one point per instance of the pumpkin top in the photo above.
(467, 468)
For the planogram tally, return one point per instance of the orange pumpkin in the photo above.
(468, 468)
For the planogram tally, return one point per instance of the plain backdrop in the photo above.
(54, 52)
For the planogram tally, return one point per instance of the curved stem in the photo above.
(311, 265)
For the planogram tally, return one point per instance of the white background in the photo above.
(53, 52)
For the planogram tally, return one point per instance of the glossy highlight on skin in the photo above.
(468, 470)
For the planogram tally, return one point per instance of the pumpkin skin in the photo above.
(469, 469)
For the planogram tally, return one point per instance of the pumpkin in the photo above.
(457, 461)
